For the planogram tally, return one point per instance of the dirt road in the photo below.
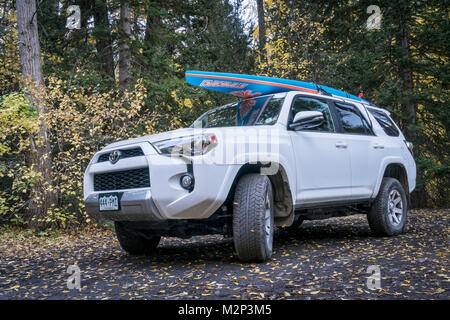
(321, 260)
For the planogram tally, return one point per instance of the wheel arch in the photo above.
(283, 196)
(398, 171)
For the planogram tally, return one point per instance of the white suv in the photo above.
(296, 156)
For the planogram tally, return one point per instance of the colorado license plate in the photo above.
(108, 202)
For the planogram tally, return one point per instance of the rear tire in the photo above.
(387, 215)
(135, 242)
(253, 218)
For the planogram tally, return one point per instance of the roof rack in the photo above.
(322, 90)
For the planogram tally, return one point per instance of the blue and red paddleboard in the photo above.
(248, 86)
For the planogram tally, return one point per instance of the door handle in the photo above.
(378, 146)
(341, 145)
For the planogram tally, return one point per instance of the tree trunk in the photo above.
(406, 76)
(43, 195)
(152, 27)
(124, 53)
(420, 198)
(103, 36)
(261, 30)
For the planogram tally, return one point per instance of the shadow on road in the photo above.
(208, 249)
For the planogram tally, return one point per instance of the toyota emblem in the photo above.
(114, 156)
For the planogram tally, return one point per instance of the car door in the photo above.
(322, 159)
(365, 148)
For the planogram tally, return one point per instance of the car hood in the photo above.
(220, 132)
(155, 137)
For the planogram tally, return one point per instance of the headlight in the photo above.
(187, 146)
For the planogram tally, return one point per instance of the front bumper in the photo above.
(165, 199)
(134, 206)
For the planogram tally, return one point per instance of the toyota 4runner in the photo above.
(247, 167)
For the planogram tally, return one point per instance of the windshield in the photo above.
(256, 111)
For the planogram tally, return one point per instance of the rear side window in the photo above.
(351, 120)
(385, 122)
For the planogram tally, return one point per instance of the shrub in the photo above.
(79, 123)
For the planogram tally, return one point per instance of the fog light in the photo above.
(187, 181)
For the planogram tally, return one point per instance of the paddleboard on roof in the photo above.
(248, 86)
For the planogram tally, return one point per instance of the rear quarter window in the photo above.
(352, 121)
(385, 122)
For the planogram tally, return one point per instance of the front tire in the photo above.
(135, 242)
(387, 215)
(253, 218)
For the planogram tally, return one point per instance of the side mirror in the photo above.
(307, 120)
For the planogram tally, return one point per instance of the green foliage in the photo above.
(17, 124)
(9, 59)
(79, 124)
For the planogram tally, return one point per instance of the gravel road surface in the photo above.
(325, 259)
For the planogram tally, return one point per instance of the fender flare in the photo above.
(284, 200)
(382, 169)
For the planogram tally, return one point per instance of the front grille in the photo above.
(118, 180)
(125, 153)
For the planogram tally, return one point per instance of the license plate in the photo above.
(108, 202)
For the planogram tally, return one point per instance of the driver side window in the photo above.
(312, 104)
